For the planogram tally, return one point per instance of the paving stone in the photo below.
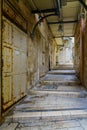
(78, 113)
(76, 128)
(10, 126)
(55, 126)
(66, 114)
(83, 123)
(50, 114)
(25, 128)
(60, 129)
(25, 115)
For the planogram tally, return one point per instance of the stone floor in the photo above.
(58, 102)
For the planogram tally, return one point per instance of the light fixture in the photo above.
(60, 29)
(83, 14)
(41, 19)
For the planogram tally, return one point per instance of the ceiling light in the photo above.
(83, 14)
(60, 29)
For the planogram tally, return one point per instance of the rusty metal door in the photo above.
(14, 55)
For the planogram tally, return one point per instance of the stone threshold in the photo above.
(63, 93)
(59, 115)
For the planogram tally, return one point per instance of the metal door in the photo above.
(14, 56)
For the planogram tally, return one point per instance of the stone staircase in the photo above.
(59, 100)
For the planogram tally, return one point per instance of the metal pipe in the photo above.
(34, 28)
(83, 3)
(63, 36)
(45, 10)
(63, 22)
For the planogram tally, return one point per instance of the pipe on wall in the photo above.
(39, 21)
(83, 3)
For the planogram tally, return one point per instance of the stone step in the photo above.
(65, 83)
(81, 94)
(63, 68)
(59, 88)
(64, 72)
(47, 115)
(47, 125)
(60, 73)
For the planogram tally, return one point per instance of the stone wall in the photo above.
(80, 56)
(85, 56)
(77, 51)
(38, 47)
(52, 49)
(64, 53)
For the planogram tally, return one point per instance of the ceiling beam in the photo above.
(63, 36)
(63, 22)
(45, 10)
(83, 3)
(38, 22)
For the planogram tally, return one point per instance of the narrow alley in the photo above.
(58, 102)
(43, 64)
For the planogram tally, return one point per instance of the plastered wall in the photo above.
(77, 51)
